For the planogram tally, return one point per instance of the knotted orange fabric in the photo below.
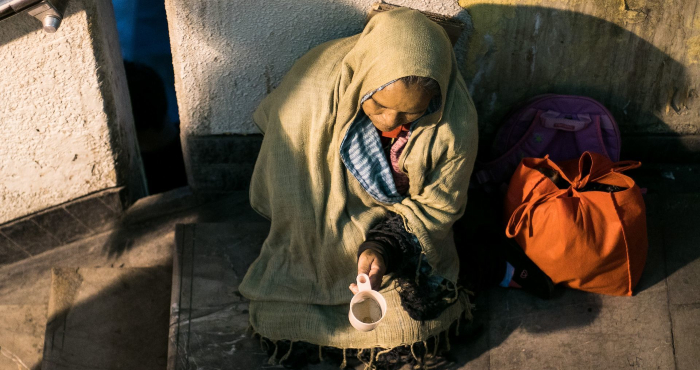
(585, 239)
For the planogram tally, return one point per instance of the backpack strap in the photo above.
(551, 119)
(587, 134)
(590, 138)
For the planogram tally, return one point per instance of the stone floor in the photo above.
(657, 328)
(145, 240)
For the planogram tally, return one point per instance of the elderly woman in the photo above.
(369, 144)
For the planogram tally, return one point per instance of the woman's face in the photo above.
(396, 105)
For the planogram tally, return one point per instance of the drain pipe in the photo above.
(49, 12)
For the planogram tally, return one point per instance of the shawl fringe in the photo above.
(418, 354)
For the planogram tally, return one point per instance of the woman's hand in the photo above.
(372, 264)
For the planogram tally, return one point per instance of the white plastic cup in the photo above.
(367, 307)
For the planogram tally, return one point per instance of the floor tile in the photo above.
(583, 331)
(93, 213)
(210, 317)
(108, 318)
(655, 269)
(471, 350)
(30, 236)
(682, 243)
(10, 252)
(21, 336)
(62, 225)
(686, 335)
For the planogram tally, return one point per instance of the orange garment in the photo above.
(594, 241)
(393, 134)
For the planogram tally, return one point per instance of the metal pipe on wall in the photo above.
(49, 12)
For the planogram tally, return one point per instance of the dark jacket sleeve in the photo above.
(420, 298)
(390, 239)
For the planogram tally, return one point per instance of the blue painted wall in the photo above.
(143, 35)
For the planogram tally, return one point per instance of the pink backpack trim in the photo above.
(561, 126)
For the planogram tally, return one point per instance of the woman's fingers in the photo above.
(364, 263)
(372, 264)
(376, 272)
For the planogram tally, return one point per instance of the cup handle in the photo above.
(363, 282)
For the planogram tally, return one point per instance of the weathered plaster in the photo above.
(638, 57)
(229, 54)
(67, 129)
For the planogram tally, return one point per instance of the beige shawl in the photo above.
(320, 213)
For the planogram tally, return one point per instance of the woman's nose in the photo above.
(392, 119)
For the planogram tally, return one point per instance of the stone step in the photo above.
(209, 317)
(107, 318)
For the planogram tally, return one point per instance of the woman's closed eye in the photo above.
(377, 108)
(395, 105)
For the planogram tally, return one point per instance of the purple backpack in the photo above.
(562, 126)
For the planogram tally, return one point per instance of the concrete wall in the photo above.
(67, 128)
(640, 58)
(229, 54)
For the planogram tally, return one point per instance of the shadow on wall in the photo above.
(517, 52)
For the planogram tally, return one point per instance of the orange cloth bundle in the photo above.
(582, 222)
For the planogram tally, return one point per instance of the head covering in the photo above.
(320, 213)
